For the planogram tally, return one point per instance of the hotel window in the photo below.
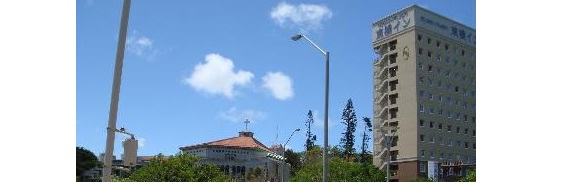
(429, 55)
(429, 68)
(438, 70)
(430, 82)
(458, 116)
(458, 143)
(421, 79)
(430, 96)
(439, 84)
(441, 112)
(465, 118)
(449, 128)
(419, 63)
(463, 52)
(473, 119)
(440, 126)
(429, 40)
(438, 57)
(456, 89)
(438, 44)
(466, 131)
(447, 73)
(431, 110)
(419, 37)
(422, 137)
(466, 145)
(440, 98)
(446, 47)
(421, 123)
(457, 130)
(419, 50)
(431, 141)
(442, 155)
(465, 105)
(421, 93)
(422, 152)
(474, 133)
(449, 114)
(474, 146)
(421, 108)
(450, 144)
(432, 153)
(431, 124)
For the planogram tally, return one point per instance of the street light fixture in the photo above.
(116, 87)
(325, 146)
(283, 153)
(388, 139)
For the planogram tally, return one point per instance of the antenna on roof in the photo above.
(277, 131)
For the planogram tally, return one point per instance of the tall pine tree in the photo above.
(365, 140)
(310, 142)
(349, 120)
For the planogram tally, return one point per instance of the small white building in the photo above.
(238, 155)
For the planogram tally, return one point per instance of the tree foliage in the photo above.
(85, 160)
(181, 167)
(471, 177)
(339, 170)
(365, 140)
(294, 159)
(349, 120)
(310, 142)
(255, 175)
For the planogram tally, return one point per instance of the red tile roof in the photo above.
(241, 142)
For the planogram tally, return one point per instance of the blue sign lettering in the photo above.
(454, 31)
(379, 33)
(397, 26)
(388, 30)
(462, 34)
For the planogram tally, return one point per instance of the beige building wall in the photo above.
(424, 84)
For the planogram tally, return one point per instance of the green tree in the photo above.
(340, 170)
(85, 160)
(421, 179)
(255, 175)
(181, 167)
(365, 140)
(310, 142)
(294, 159)
(349, 120)
(471, 177)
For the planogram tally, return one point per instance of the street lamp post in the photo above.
(325, 146)
(283, 153)
(388, 139)
(110, 139)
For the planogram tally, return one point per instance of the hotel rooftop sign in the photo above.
(415, 16)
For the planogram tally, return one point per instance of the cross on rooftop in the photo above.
(246, 122)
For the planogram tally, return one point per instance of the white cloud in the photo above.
(217, 76)
(304, 16)
(141, 142)
(235, 115)
(141, 46)
(278, 84)
(320, 122)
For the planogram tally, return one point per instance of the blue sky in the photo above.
(193, 71)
